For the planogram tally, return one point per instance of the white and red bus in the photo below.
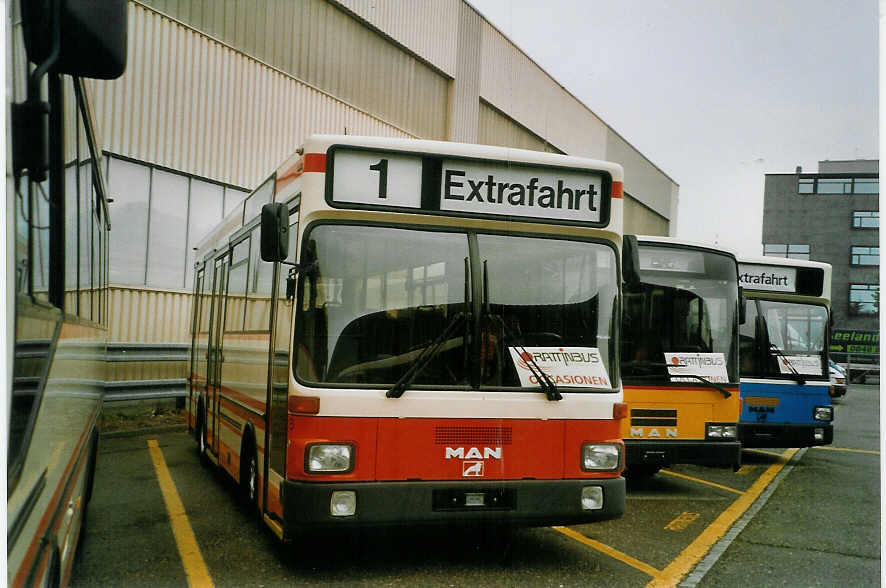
(402, 331)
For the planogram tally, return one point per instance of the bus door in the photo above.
(281, 337)
(194, 387)
(214, 351)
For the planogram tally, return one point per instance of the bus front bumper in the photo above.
(665, 453)
(494, 502)
(785, 435)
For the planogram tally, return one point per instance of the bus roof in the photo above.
(321, 143)
(783, 277)
(684, 243)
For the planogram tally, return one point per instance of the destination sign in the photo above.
(769, 278)
(514, 190)
(358, 178)
(671, 260)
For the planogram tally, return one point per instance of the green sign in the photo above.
(855, 341)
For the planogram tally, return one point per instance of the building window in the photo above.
(838, 186)
(865, 255)
(834, 186)
(864, 298)
(793, 251)
(866, 186)
(865, 219)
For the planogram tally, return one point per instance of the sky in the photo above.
(715, 93)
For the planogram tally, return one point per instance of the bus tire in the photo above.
(201, 435)
(640, 471)
(249, 472)
(90, 468)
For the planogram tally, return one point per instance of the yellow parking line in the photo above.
(700, 481)
(846, 449)
(762, 452)
(195, 567)
(614, 553)
(674, 572)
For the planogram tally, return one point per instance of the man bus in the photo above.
(415, 332)
(679, 359)
(784, 353)
(56, 276)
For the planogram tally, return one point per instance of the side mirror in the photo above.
(274, 232)
(630, 260)
(85, 38)
(742, 311)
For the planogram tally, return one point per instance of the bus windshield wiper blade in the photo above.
(642, 363)
(424, 358)
(544, 381)
(778, 351)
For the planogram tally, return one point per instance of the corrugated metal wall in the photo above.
(419, 25)
(514, 84)
(497, 129)
(323, 45)
(641, 220)
(149, 316)
(650, 184)
(190, 103)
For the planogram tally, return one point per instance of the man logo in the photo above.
(472, 469)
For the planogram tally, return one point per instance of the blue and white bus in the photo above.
(783, 347)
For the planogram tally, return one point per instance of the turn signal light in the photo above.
(619, 410)
(304, 404)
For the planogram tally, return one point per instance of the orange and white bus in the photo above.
(403, 331)
(679, 360)
(56, 255)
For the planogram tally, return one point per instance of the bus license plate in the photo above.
(474, 499)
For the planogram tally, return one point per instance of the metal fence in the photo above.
(860, 367)
(143, 371)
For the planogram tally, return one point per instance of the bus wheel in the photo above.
(201, 437)
(640, 471)
(249, 474)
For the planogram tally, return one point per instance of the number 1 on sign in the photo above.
(382, 168)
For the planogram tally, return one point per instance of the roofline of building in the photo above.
(574, 97)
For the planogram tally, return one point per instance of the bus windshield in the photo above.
(784, 340)
(686, 303)
(376, 297)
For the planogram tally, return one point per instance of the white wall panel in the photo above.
(428, 28)
(193, 104)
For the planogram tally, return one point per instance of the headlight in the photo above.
(600, 457)
(721, 431)
(326, 458)
(823, 413)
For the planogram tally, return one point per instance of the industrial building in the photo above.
(217, 94)
(831, 216)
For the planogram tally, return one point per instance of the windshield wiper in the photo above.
(778, 351)
(424, 358)
(642, 363)
(544, 381)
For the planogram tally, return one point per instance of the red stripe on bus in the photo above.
(311, 162)
(315, 162)
(617, 190)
